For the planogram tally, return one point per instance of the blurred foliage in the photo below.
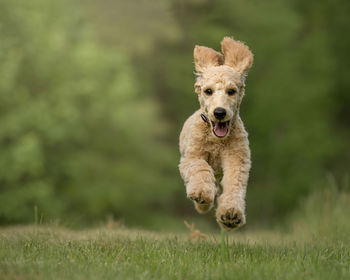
(324, 215)
(77, 138)
(93, 95)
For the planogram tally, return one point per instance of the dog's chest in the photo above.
(214, 157)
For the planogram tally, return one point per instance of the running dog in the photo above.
(213, 141)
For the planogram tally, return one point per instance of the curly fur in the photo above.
(204, 155)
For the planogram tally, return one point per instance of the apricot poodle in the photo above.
(213, 141)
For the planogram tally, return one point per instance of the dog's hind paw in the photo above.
(230, 218)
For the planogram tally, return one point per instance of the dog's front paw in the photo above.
(230, 218)
(202, 197)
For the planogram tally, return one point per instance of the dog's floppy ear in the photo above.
(237, 55)
(205, 57)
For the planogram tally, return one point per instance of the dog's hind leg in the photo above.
(200, 182)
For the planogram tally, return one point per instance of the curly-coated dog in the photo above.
(213, 141)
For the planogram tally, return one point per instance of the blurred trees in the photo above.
(77, 137)
(93, 95)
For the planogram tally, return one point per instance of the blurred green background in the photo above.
(93, 95)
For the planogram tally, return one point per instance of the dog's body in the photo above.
(213, 140)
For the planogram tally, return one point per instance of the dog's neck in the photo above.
(205, 119)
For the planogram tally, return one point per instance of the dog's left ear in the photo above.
(237, 55)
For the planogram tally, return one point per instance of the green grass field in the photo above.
(314, 245)
(55, 253)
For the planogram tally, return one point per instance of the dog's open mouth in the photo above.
(220, 129)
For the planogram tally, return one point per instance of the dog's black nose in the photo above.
(220, 113)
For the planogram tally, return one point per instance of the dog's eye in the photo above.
(208, 91)
(231, 91)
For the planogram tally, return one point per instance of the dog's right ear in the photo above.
(205, 57)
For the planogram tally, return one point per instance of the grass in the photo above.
(316, 246)
(53, 253)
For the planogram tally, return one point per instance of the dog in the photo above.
(213, 141)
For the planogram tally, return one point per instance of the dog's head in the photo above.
(220, 82)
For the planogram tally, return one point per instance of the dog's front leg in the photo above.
(231, 204)
(200, 182)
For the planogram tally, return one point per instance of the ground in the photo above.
(51, 252)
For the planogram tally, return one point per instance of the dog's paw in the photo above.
(230, 218)
(203, 208)
(203, 198)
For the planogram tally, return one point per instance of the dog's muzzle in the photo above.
(220, 129)
(219, 113)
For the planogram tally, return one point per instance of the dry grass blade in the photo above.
(195, 233)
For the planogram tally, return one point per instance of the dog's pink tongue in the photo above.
(221, 129)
